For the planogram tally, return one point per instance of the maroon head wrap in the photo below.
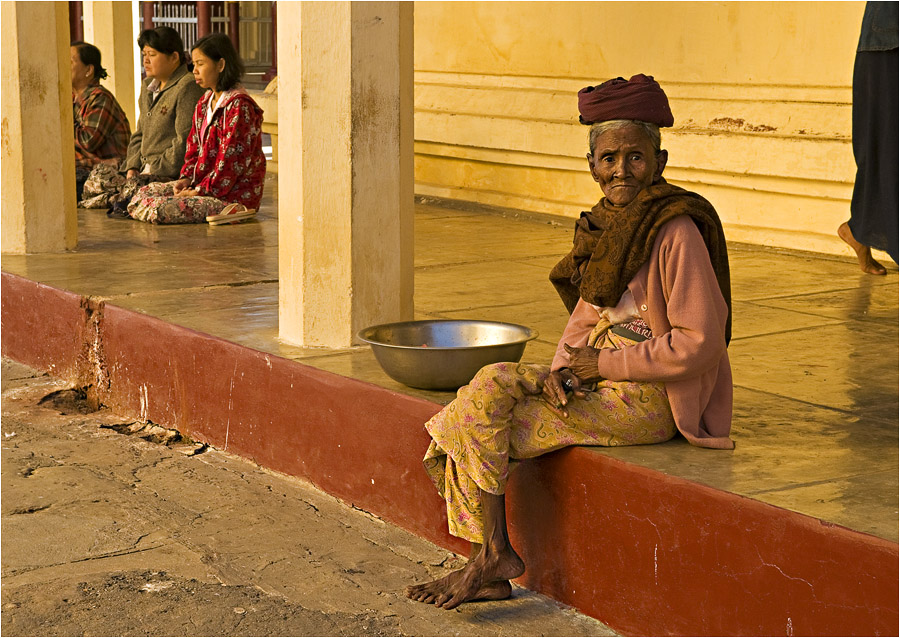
(639, 98)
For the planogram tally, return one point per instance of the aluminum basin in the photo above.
(444, 354)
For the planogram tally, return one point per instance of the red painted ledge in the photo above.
(644, 552)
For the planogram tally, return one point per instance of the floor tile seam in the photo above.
(452, 264)
(537, 257)
(52, 279)
(810, 314)
(832, 322)
(456, 239)
(795, 253)
(445, 312)
(167, 291)
(869, 325)
(241, 249)
(810, 403)
(437, 216)
(811, 294)
(90, 251)
(485, 260)
(526, 262)
(302, 358)
(498, 306)
(225, 261)
(825, 481)
(489, 212)
(180, 315)
(264, 276)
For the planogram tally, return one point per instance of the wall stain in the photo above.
(738, 124)
(33, 85)
(367, 111)
(4, 137)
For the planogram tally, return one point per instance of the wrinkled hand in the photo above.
(583, 363)
(132, 172)
(187, 192)
(554, 392)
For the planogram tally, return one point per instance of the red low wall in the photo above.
(644, 552)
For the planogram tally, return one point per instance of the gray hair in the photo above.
(652, 131)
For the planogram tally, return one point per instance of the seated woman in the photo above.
(642, 358)
(101, 127)
(221, 180)
(167, 101)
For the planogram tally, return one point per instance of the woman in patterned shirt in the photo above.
(101, 127)
(224, 167)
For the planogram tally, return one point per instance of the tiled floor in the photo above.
(814, 354)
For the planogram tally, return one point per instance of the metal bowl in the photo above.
(444, 354)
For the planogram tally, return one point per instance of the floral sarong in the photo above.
(500, 415)
(156, 203)
(106, 186)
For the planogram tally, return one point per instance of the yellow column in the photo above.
(109, 26)
(345, 178)
(38, 184)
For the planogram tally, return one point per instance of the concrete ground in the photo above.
(814, 354)
(110, 533)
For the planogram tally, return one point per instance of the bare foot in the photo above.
(863, 253)
(427, 592)
(483, 577)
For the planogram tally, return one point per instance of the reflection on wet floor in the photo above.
(815, 349)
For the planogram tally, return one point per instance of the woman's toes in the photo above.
(440, 599)
(874, 268)
(453, 603)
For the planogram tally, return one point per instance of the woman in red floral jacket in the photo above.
(224, 167)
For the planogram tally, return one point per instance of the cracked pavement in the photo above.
(109, 533)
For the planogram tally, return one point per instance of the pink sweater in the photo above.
(677, 295)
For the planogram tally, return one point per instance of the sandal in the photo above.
(231, 214)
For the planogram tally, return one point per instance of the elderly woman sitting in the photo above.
(643, 356)
(101, 127)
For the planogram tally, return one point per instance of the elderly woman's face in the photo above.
(624, 163)
(82, 74)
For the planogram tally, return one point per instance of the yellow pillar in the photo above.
(109, 26)
(38, 184)
(345, 178)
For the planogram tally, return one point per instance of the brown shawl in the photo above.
(611, 245)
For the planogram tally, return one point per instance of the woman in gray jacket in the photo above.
(168, 98)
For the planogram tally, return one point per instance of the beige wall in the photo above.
(111, 27)
(761, 93)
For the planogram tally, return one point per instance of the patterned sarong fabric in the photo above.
(500, 415)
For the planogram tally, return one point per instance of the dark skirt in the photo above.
(874, 207)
